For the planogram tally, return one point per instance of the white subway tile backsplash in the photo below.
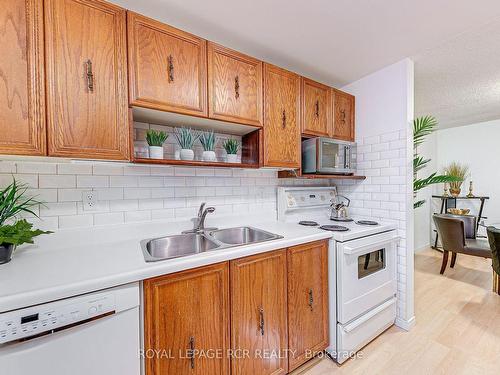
(58, 209)
(107, 170)
(137, 193)
(124, 205)
(162, 214)
(151, 181)
(109, 218)
(92, 181)
(55, 181)
(182, 192)
(74, 168)
(164, 192)
(37, 168)
(31, 180)
(76, 221)
(123, 181)
(136, 216)
(70, 195)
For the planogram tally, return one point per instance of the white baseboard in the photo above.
(407, 325)
(422, 248)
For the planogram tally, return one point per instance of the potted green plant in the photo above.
(207, 140)
(156, 139)
(13, 232)
(460, 172)
(231, 146)
(186, 138)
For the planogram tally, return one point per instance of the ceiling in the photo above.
(334, 41)
(459, 81)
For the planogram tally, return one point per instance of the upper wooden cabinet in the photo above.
(316, 108)
(87, 111)
(187, 313)
(258, 313)
(167, 67)
(234, 86)
(281, 118)
(307, 301)
(343, 115)
(22, 86)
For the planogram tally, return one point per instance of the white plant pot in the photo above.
(209, 156)
(232, 158)
(187, 154)
(155, 152)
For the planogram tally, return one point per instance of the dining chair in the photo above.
(494, 239)
(452, 234)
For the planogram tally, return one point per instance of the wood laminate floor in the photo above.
(457, 326)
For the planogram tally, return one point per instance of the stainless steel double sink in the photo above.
(182, 245)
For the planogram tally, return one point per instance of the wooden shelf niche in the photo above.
(298, 174)
(249, 154)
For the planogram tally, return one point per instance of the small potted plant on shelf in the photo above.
(231, 146)
(186, 138)
(207, 140)
(13, 231)
(156, 139)
(458, 171)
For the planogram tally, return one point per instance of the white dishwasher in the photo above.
(95, 333)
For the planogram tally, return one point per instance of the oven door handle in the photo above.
(349, 250)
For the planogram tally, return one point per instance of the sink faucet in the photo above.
(200, 220)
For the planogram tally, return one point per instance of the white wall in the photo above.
(478, 146)
(423, 214)
(384, 111)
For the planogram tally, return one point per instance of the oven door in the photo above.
(336, 156)
(366, 274)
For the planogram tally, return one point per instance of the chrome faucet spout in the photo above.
(200, 220)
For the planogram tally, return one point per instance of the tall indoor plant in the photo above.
(14, 231)
(422, 127)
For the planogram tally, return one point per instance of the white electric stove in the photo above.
(361, 267)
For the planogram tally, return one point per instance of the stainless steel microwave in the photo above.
(328, 156)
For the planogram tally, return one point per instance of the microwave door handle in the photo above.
(347, 157)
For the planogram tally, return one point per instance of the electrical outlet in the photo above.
(89, 199)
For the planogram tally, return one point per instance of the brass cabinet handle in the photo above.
(90, 75)
(237, 87)
(316, 112)
(170, 61)
(342, 112)
(191, 351)
(261, 321)
(311, 299)
(283, 119)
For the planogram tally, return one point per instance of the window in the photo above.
(371, 263)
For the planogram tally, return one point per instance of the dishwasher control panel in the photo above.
(36, 320)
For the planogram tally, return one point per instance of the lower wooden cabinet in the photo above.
(263, 314)
(186, 320)
(307, 301)
(258, 314)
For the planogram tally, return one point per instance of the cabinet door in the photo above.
(281, 118)
(258, 314)
(343, 116)
(307, 301)
(234, 86)
(87, 110)
(186, 318)
(167, 67)
(316, 109)
(22, 96)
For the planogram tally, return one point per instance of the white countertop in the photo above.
(73, 262)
